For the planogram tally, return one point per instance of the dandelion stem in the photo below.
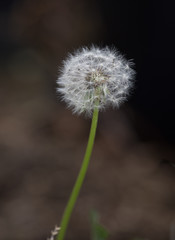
(80, 178)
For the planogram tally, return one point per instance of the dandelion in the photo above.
(95, 78)
(92, 79)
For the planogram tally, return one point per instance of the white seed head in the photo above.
(95, 78)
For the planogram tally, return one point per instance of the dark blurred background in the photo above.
(131, 178)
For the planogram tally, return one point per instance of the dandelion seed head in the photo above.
(95, 78)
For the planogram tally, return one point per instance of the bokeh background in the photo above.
(131, 177)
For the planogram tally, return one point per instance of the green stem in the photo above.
(80, 178)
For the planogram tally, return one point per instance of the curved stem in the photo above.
(80, 178)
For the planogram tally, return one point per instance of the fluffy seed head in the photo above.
(95, 78)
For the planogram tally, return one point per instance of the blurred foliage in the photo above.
(98, 232)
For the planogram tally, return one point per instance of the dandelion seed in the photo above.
(94, 77)
(54, 233)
